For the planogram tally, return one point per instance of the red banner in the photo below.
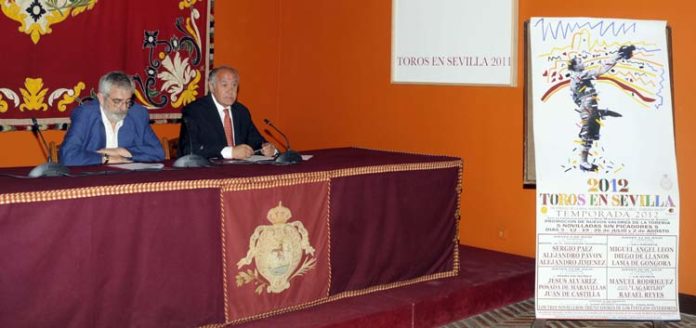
(55, 51)
(276, 247)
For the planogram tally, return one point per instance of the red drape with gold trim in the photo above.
(54, 52)
(276, 240)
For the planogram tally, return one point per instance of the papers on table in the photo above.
(138, 166)
(255, 159)
(259, 158)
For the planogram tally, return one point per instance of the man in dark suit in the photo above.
(217, 126)
(112, 130)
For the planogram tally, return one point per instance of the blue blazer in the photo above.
(87, 134)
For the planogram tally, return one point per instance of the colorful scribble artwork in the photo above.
(581, 64)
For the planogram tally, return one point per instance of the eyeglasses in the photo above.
(118, 102)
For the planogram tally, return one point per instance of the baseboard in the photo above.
(687, 304)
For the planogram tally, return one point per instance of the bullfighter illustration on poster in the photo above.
(607, 187)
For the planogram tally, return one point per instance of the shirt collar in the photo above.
(220, 108)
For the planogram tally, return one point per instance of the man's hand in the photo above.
(242, 151)
(120, 151)
(119, 160)
(116, 155)
(268, 149)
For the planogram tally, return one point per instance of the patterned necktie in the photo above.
(229, 131)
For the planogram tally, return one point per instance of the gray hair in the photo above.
(213, 74)
(115, 79)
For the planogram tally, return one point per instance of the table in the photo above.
(166, 248)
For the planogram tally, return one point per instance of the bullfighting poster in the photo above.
(607, 188)
(54, 52)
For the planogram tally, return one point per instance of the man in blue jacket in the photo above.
(112, 130)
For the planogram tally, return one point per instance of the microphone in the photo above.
(50, 168)
(191, 159)
(289, 156)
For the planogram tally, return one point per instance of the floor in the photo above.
(487, 280)
(521, 314)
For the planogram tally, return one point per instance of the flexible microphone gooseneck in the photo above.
(191, 159)
(37, 130)
(289, 156)
(50, 168)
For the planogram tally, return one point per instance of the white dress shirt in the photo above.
(111, 131)
(227, 151)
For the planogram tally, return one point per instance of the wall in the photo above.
(320, 70)
(330, 76)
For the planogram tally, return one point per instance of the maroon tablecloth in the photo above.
(325, 159)
(144, 248)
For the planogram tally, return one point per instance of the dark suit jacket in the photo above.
(87, 134)
(202, 125)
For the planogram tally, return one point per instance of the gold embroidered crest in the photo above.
(280, 252)
(37, 16)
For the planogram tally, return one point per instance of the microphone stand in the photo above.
(190, 160)
(50, 168)
(289, 156)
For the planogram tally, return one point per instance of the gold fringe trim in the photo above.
(322, 175)
(458, 217)
(395, 168)
(328, 238)
(223, 239)
(64, 194)
(397, 284)
(277, 181)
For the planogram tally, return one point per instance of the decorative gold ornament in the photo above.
(69, 96)
(10, 95)
(277, 251)
(33, 95)
(37, 16)
(186, 4)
